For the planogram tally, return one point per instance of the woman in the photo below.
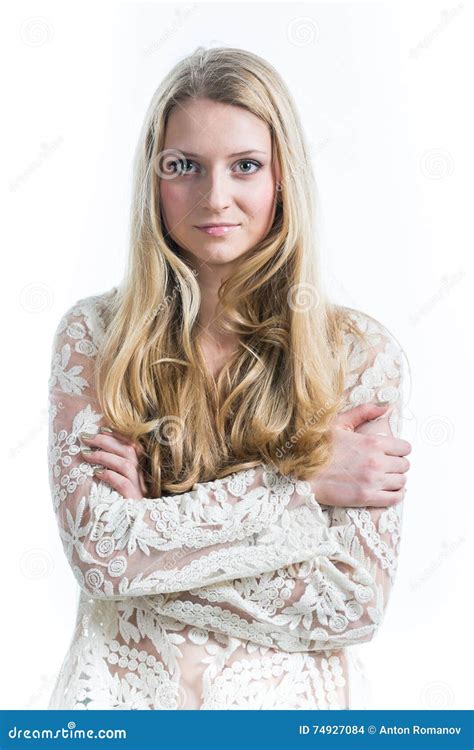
(226, 500)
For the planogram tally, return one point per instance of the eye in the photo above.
(182, 166)
(179, 166)
(252, 162)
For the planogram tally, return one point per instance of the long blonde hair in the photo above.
(275, 398)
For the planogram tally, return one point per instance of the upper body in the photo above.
(252, 561)
(225, 554)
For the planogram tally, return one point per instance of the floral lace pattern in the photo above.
(244, 592)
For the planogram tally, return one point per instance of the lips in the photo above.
(217, 224)
(217, 230)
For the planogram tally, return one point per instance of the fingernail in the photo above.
(86, 435)
(105, 429)
(87, 450)
(97, 472)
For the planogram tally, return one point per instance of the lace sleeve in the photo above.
(250, 522)
(338, 596)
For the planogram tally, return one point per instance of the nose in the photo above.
(215, 190)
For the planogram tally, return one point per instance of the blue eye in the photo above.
(182, 166)
(250, 161)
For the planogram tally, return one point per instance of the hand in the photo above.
(368, 467)
(121, 457)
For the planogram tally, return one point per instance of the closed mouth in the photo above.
(207, 226)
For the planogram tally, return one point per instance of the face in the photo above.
(227, 177)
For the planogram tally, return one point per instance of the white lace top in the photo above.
(244, 592)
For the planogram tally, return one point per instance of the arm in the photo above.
(255, 523)
(250, 522)
(338, 597)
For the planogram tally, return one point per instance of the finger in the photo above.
(124, 439)
(387, 498)
(394, 464)
(111, 444)
(394, 481)
(393, 446)
(116, 463)
(119, 483)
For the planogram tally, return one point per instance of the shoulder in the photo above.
(373, 356)
(84, 321)
(362, 333)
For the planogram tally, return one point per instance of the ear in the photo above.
(277, 173)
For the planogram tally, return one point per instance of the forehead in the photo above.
(206, 127)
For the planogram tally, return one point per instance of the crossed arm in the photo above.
(254, 554)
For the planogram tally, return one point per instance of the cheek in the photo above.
(261, 204)
(173, 201)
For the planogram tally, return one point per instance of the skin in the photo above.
(217, 187)
(369, 465)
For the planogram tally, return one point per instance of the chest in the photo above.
(215, 357)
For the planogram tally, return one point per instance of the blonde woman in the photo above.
(225, 459)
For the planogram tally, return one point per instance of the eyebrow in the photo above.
(239, 153)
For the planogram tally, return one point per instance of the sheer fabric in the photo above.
(244, 592)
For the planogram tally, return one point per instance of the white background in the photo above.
(383, 92)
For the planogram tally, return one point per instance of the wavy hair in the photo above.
(285, 382)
